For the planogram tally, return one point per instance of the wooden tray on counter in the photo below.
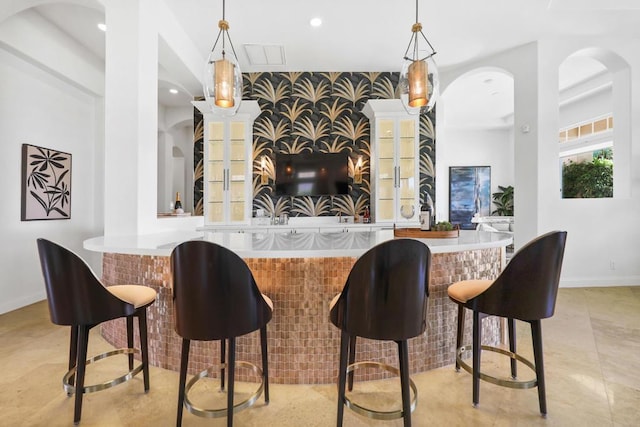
(420, 234)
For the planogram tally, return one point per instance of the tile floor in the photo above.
(592, 361)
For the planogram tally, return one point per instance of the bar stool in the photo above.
(384, 298)
(525, 290)
(216, 298)
(78, 299)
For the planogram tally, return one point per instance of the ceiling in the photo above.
(372, 35)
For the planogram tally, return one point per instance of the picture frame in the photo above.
(469, 194)
(46, 184)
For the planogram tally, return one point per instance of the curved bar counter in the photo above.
(301, 271)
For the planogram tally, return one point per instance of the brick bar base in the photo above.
(303, 345)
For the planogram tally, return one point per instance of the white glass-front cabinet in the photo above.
(228, 142)
(395, 162)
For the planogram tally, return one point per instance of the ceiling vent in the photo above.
(265, 54)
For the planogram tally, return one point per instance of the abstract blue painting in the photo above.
(469, 194)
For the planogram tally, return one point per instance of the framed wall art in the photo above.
(46, 184)
(469, 194)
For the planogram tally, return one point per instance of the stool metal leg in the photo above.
(184, 363)
(265, 362)
(403, 357)
(477, 342)
(232, 369)
(342, 374)
(511, 323)
(536, 336)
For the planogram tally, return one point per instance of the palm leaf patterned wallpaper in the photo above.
(316, 112)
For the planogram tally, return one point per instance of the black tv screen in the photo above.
(312, 174)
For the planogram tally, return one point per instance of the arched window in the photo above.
(593, 160)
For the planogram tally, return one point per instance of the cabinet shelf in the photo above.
(394, 159)
(228, 193)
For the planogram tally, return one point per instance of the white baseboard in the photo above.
(600, 282)
(7, 306)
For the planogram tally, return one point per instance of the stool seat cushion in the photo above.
(268, 301)
(136, 295)
(334, 301)
(465, 290)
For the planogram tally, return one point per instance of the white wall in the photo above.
(473, 147)
(602, 233)
(42, 110)
(175, 173)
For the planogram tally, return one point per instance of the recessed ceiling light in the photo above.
(173, 91)
(315, 22)
(102, 26)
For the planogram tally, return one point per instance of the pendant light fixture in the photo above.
(222, 76)
(419, 81)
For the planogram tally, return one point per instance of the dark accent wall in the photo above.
(316, 112)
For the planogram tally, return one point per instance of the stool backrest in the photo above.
(385, 295)
(527, 288)
(214, 293)
(75, 295)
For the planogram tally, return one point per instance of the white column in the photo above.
(131, 117)
(526, 144)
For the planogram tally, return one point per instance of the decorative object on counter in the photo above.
(366, 217)
(284, 219)
(222, 83)
(503, 201)
(407, 211)
(419, 83)
(436, 233)
(177, 206)
(469, 194)
(46, 184)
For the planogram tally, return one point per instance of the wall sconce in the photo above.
(264, 176)
(357, 172)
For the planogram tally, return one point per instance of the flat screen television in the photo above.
(312, 174)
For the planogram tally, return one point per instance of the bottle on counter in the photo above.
(177, 206)
(425, 217)
(366, 217)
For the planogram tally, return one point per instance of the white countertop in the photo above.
(301, 244)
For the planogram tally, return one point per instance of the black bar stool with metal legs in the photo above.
(526, 290)
(216, 298)
(78, 299)
(384, 298)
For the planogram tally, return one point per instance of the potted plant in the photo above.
(503, 201)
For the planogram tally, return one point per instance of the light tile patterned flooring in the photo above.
(592, 364)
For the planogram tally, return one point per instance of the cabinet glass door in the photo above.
(407, 164)
(386, 171)
(215, 184)
(237, 162)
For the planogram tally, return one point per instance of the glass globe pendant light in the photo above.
(419, 83)
(222, 83)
